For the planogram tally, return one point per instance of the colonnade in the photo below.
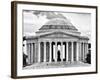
(48, 51)
(31, 52)
(69, 51)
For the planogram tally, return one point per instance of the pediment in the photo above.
(58, 35)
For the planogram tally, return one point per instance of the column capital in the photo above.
(39, 41)
(83, 42)
(77, 42)
(50, 41)
(56, 43)
(44, 42)
(71, 41)
(61, 43)
(67, 41)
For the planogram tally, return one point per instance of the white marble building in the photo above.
(56, 41)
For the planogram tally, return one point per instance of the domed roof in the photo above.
(58, 23)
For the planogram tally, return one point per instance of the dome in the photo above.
(58, 23)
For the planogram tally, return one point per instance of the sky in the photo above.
(33, 20)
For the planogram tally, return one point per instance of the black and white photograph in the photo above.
(54, 39)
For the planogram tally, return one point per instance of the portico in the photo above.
(48, 51)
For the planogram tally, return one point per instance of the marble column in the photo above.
(83, 52)
(50, 54)
(55, 51)
(34, 52)
(77, 51)
(28, 51)
(80, 52)
(62, 51)
(39, 55)
(44, 51)
(72, 58)
(86, 48)
(66, 51)
(31, 53)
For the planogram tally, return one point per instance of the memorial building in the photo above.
(58, 40)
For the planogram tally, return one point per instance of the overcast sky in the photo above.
(33, 20)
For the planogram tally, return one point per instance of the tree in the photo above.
(24, 60)
(88, 58)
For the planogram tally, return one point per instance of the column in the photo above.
(62, 51)
(86, 48)
(77, 52)
(44, 51)
(31, 53)
(36, 51)
(28, 51)
(66, 51)
(72, 58)
(55, 51)
(39, 55)
(50, 54)
(83, 52)
(80, 52)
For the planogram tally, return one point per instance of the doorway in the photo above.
(58, 56)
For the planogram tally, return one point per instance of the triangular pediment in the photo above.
(58, 35)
